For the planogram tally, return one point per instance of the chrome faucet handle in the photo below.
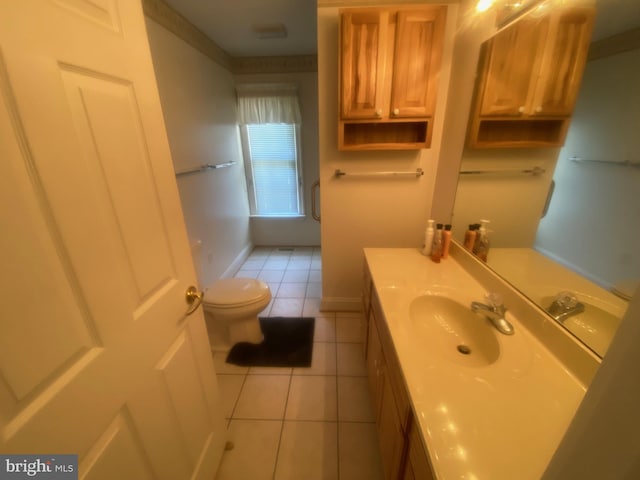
(494, 300)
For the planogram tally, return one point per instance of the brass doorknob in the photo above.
(193, 298)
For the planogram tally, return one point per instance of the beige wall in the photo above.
(593, 224)
(297, 231)
(198, 102)
(368, 212)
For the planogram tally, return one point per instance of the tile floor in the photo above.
(300, 423)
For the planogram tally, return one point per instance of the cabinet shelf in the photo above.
(384, 135)
(509, 133)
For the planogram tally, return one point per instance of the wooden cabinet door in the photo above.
(510, 59)
(375, 365)
(418, 48)
(390, 436)
(363, 63)
(564, 61)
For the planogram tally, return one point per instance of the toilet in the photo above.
(231, 307)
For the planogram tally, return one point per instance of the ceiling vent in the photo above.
(267, 31)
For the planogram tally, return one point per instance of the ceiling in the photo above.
(229, 23)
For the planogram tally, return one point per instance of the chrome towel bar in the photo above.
(418, 173)
(528, 171)
(204, 168)
(619, 163)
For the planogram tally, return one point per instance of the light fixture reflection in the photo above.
(483, 5)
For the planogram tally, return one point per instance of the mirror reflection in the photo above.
(565, 222)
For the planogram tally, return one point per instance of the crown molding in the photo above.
(165, 15)
(286, 64)
(622, 42)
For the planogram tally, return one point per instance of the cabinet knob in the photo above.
(521, 109)
(378, 113)
(396, 112)
(538, 109)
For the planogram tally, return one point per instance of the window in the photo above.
(269, 119)
(272, 168)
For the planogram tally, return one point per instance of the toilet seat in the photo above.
(236, 292)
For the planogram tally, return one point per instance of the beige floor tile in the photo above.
(311, 307)
(287, 307)
(270, 370)
(222, 367)
(325, 329)
(230, 386)
(295, 276)
(354, 400)
(323, 361)
(271, 275)
(263, 397)
(292, 290)
(314, 289)
(312, 398)
(315, 275)
(349, 328)
(255, 450)
(299, 263)
(351, 359)
(247, 273)
(359, 456)
(308, 451)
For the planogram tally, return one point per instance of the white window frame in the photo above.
(248, 168)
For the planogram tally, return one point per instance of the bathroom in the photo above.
(378, 212)
(355, 213)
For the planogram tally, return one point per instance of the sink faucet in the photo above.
(565, 305)
(494, 312)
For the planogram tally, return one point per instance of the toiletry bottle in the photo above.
(446, 240)
(428, 238)
(436, 249)
(481, 247)
(470, 237)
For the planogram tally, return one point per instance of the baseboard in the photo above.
(237, 263)
(341, 304)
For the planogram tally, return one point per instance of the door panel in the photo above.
(97, 357)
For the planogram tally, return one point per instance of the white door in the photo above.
(97, 355)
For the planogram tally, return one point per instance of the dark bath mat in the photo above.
(288, 342)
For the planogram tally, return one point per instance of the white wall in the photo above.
(198, 101)
(602, 440)
(594, 216)
(368, 212)
(297, 231)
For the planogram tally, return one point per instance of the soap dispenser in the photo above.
(481, 247)
(428, 238)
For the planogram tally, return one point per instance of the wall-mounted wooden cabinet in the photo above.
(528, 80)
(388, 75)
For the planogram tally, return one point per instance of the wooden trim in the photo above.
(619, 43)
(285, 64)
(165, 15)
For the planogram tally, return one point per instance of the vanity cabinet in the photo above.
(403, 455)
(528, 80)
(388, 74)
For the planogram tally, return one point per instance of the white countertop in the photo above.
(502, 421)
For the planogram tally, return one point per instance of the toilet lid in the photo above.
(236, 291)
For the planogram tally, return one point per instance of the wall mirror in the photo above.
(565, 221)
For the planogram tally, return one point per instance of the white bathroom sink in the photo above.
(454, 330)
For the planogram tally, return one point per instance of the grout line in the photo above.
(284, 413)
